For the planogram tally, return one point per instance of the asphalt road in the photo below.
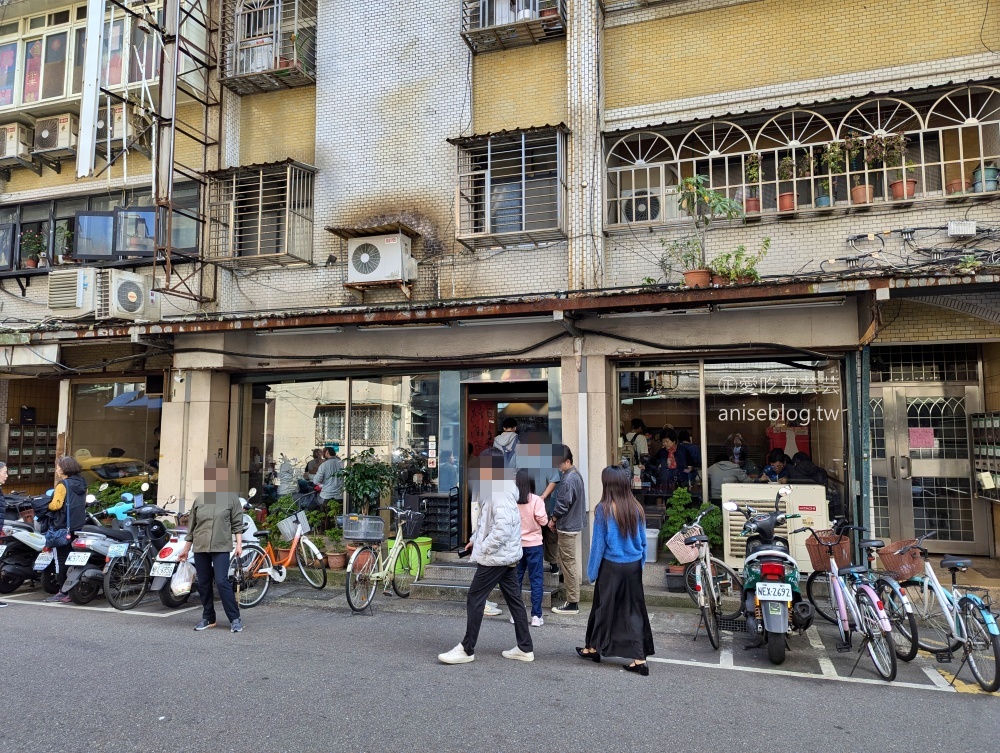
(306, 675)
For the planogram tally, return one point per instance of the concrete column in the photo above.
(194, 431)
(584, 173)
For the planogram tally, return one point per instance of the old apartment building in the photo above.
(239, 229)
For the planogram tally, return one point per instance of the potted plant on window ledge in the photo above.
(704, 205)
(740, 266)
(786, 171)
(890, 150)
(33, 245)
(752, 174)
(831, 158)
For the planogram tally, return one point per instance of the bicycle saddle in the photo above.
(260, 534)
(952, 562)
(695, 539)
(854, 570)
(871, 544)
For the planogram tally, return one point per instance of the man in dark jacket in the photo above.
(568, 519)
(804, 471)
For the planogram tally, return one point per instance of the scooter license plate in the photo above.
(76, 559)
(162, 570)
(774, 591)
(43, 560)
(117, 550)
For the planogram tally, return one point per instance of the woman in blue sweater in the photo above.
(619, 623)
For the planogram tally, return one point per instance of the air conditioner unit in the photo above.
(71, 292)
(115, 124)
(56, 136)
(380, 258)
(126, 295)
(15, 144)
(641, 205)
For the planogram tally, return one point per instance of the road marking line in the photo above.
(726, 652)
(936, 677)
(825, 662)
(108, 610)
(805, 675)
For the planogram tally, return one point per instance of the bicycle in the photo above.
(367, 568)
(260, 565)
(858, 610)
(949, 619)
(894, 598)
(727, 584)
(713, 581)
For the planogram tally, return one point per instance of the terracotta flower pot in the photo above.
(959, 185)
(751, 205)
(786, 201)
(698, 278)
(30, 263)
(744, 280)
(336, 560)
(281, 553)
(720, 280)
(863, 194)
(897, 187)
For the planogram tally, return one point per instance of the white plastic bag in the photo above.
(182, 580)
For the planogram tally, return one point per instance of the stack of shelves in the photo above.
(31, 453)
(442, 520)
(986, 452)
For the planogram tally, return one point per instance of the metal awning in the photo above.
(363, 231)
(463, 141)
(257, 167)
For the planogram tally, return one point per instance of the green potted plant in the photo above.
(336, 556)
(832, 159)
(752, 174)
(740, 266)
(34, 244)
(284, 507)
(703, 205)
(678, 512)
(366, 479)
(786, 172)
(890, 149)
(854, 147)
(968, 264)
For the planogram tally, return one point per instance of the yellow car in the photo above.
(119, 470)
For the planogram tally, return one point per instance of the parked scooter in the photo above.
(21, 547)
(772, 601)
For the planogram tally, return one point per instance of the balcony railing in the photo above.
(268, 45)
(501, 24)
(947, 148)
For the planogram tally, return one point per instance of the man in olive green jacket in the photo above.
(215, 517)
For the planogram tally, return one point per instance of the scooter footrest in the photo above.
(843, 648)
(943, 657)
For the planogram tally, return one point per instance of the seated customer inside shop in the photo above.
(777, 467)
(724, 471)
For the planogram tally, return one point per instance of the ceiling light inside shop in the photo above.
(666, 312)
(300, 331)
(508, 320)
(783, 305)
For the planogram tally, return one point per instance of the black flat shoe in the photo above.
(641, 669)
(591, 655)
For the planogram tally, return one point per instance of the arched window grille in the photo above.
(716, 150)
(642, 179)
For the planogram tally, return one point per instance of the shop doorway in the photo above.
(921, 468)
(488, 405)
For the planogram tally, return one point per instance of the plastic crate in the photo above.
(364, 528)
(820, 557)
(288, 526)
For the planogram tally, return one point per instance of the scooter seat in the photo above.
(261, 534)
(695, 540)
(871, 544)
(855, 570)
(111, 533)
(951, 562)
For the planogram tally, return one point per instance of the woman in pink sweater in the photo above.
(533, 517)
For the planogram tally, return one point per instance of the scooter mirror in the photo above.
(252, 493)
(171, 499)
(730, 506)
(784, 491)
(145, 487)
(103, 487)
(91, 499)
(128, 497)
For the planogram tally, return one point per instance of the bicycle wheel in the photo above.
(728, 585)
(709, 612)
(820, 596)
(934, 631)
(880, 645)
(407, 569)
(361, 578)
(310, 562)
(983, 649)
(255, 583)
(126, 581)
(904, 625)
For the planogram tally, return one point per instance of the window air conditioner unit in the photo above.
(15, 144)
(72, 292)
(126, 295)
(380, 258)
(641, 205)
(115, 124)
(56, 136)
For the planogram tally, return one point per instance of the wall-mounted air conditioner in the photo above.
(380, 258)
(15, 144)
(114, 124)
(72, 292)
(641, 205)
(126, 295)
(56, 136)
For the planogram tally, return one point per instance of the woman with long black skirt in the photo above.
(619, 623)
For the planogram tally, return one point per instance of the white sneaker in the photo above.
(516, 653)
(491, 609)
(537, 621)
(456, 656)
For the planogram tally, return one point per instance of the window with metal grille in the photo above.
(502, 24)
(262, 213)
(372, 424)
(511, 188)
(268, 45)
(925, 363)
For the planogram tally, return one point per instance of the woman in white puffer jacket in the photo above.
(496, 550)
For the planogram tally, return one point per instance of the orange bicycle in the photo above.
(260, 565)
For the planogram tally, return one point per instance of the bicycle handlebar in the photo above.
(917, 543)
(827, 544)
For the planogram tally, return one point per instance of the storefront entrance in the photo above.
(921, 472)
